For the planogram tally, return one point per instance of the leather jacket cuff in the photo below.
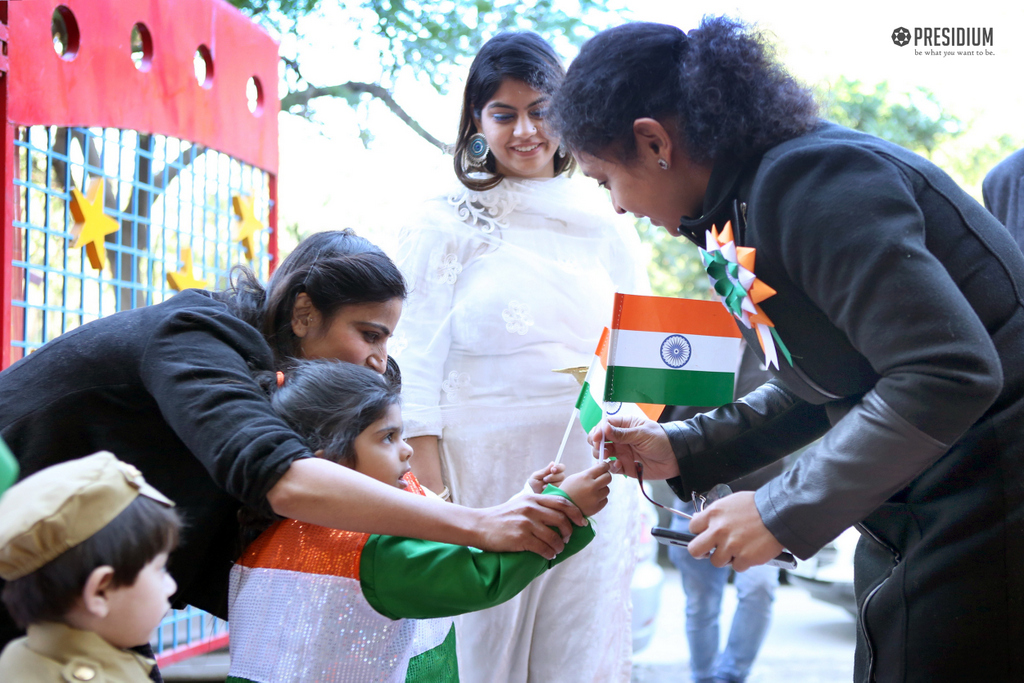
(742, 437)
(869, 455)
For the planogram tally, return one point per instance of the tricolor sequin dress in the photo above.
(308, 603)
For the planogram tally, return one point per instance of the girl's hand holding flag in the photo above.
(553, 474)
(589, 488)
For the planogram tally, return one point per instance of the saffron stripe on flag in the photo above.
(644, 385)
(671, 315)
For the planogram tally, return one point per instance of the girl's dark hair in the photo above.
(523, 56)
(329, 403)
(128, 543)
(335, 268)
(720, 85)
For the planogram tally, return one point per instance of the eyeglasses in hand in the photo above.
(700, 500)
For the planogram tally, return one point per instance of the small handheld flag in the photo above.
(672, 351)
(590, 405)
(591, 402)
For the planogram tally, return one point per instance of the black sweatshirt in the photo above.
(169, 389)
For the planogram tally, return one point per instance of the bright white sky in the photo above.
(329, 180)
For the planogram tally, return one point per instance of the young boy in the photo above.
(83, 548)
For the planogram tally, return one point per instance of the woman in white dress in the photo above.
(512, 274)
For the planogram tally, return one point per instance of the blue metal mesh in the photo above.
(166, 194)
(186, 627)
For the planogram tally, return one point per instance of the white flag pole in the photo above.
(604, 418)
(565, 437)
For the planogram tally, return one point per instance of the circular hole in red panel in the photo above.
(141, 47)
(64, 29)
(203, 62)
(254, 95)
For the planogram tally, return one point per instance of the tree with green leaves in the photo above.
(427, 38)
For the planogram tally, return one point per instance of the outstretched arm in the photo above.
(408, 578)
(321, 492)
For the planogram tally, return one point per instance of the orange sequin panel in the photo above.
(309, 548)
(300, 547)
(413, 484)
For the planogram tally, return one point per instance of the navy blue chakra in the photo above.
(612, 407)
(675, 351)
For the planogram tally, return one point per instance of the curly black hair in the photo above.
(720, 86)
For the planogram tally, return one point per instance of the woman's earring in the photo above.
(562, 151)
(663, 164)
(477, 150)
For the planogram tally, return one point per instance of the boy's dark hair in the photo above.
(720, 84)
(523, 56)
(128, 543)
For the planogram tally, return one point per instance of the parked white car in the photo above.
(828, 575)
(647, 580)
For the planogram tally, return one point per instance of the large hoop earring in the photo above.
(477, 150)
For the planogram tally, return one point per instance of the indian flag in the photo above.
(591, 396)
(673, 351)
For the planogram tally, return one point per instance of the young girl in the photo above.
(312, 603)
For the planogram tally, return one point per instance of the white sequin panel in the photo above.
(291, 626)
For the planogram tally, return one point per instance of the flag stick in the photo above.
(604, 417)
(565, 437)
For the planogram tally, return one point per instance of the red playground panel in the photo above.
(139, 158)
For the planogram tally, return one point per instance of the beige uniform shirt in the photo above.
(56, 653)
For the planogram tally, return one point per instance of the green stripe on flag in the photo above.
(671, 387)
(590, 410)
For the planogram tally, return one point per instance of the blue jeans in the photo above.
(704, 584)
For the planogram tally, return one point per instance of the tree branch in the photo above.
(346, 90)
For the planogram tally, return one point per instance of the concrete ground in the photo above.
(808, 642)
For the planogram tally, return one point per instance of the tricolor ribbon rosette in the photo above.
(731, 272)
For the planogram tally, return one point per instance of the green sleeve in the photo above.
(408, 578)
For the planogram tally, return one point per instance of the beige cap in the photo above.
(55, 509)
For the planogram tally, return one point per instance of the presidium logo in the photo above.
(958, 41)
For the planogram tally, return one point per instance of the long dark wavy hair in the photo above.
(335, 268)
(523, 56)
(720, 86)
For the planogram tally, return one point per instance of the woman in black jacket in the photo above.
(895, 330)
(169, 389)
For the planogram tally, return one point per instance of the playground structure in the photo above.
(139, 158)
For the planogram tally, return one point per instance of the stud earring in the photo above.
(562, 151)
(477, 150)
(663, 164)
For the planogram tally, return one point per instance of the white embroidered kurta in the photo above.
(505, 286)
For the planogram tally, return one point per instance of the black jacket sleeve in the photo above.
(846, 226)
(741, 437)
(198, 367)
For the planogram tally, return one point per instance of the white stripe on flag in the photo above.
(664, 351)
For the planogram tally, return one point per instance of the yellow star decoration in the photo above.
(91, 224)
(248, 226)
(184, 279)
